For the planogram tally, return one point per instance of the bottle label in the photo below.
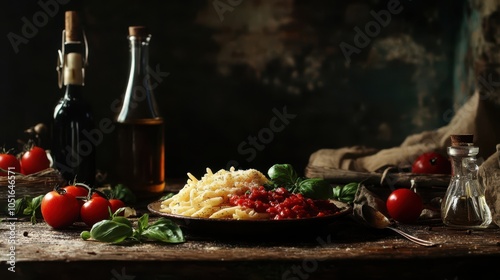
(73, 69)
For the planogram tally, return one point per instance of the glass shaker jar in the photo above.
(464, 204)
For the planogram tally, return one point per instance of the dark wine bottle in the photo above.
(73, 149)
(139, 125)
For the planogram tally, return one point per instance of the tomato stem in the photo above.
(91, 191)
(60, 190)
(89, 194)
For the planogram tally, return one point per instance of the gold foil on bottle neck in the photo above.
(73, 69)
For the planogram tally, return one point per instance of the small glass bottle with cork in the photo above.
(464, 204)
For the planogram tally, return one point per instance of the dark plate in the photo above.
(252, 228)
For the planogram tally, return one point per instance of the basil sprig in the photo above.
(284, 175)
(119, 229)
(33, 208)
(25, 206)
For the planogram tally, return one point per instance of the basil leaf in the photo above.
(123, 193)
(345, 193)
(28, 211)
(123, 220)
(33, 208)
(167, 196)
(347, 199)
(316, 188)
(110, 231)
(283, 175)
(165, 231)
(336, 192)
(21, 204)
(37, 201)
(142, 223)
(350, 189)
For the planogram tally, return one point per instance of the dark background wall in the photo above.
(230, 71)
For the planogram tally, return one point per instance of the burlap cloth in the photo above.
(478, 116)
(489, 174)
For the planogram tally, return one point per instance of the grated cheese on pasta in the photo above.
(209, 196)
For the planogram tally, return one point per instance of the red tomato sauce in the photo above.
(281, 204)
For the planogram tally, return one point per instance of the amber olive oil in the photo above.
(141, 161)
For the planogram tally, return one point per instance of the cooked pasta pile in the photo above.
(209, 196)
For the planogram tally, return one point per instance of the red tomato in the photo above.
(8, 160)
(404, 205)
(98, 194)
(59, 209)
(431, 163)
(116, 204)
(95, 210)
(79, 192)
(34, 160)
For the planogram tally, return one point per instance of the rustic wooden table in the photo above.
(345, 250)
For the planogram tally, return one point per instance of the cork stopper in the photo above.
(138, 31)
(72, 26)
(462, 140)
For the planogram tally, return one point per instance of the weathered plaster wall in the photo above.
(231, 69)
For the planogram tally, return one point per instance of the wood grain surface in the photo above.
(345, 250)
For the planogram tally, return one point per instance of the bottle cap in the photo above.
(72, 26)
(138, 31)
(462, 139)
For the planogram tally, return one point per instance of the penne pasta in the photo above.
(209, 196)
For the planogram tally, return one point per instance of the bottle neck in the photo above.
(139, 102)
(457, 169)
(73, 92)
(463, 160)
(139, 59)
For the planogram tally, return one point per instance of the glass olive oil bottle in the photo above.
(139, 125)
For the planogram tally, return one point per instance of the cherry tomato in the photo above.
(431, 163)
(98, 194)
(8, 160)
(404, 205)
(60, 209)
(78, 191)
(116, 204)
(95, 210)
(34, 160)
